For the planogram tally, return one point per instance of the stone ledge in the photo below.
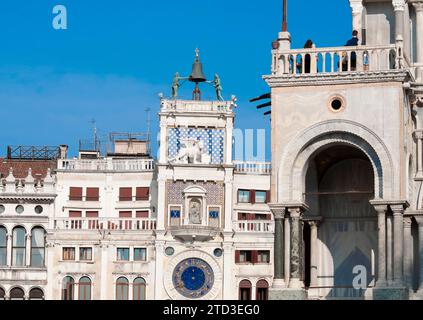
(287, 294)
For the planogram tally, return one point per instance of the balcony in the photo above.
(106, 165)
(264, 168)
(254, 226)
(197, 106)
(322, 64)
(110, 224)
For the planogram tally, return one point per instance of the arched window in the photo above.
(18, 247)
(2, 294)
(68, 287)
(84, 288)
(36, 294)
(245, 290)
(17, 294)
(122, 289)
(3, 246)
(139, 289)
(38, 247)
(262, 290)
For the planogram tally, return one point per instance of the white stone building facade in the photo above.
(341, 197)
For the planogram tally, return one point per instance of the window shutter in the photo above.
(125, 194)
(268, 217)
(242, 216)
(75, 193)
(75, 214)
(125, 214)
(142, 214)
(237, 256)
(93, 194)
(91, 214)
(252, 196)
(251, 216)
(143, 194)
(268, 196)
(254, 256)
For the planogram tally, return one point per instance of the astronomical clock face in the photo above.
(193, 278)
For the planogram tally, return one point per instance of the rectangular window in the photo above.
(143, 194)
(140, 254)
(125, 194)
(75, 194)
(68, 254)
(243, 196)
(263, 257)
(142, 214)
(123, 254)
(93, 194)
(175, 216)
(85, 254)
(245, 256)
(261, 197)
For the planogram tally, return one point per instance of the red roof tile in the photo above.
(21, 167)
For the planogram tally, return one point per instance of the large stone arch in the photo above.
(298, 153)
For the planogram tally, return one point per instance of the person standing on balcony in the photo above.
(353, 42)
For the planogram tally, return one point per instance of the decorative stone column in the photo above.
(28, 250)
(287, 251)
(389, 250)
(408, 246)
(296, 248)
(279, 248)
(418, 7)
(313, 252)
(418, 134)
(398, 211)
(381, 272)
(9, 250)
(357, 17)
(419, 220)
(399, 8)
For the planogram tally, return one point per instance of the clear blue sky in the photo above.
(116, 56)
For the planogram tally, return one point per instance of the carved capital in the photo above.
(397, 209)
(381, 209)
(278, 212)
(356, 6)
(419, 220)
(295, 213)
(418, 6)
(408, 222)
(418, 134)
(399, 5)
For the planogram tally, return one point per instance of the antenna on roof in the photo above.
(148, 110)
(284, 21)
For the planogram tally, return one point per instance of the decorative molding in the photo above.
(356, 6)
(275, 81)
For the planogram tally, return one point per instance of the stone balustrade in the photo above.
(254, 226)
(116, 224)
(128, 165)
(336, 60)
(197, 106)
(253, 167)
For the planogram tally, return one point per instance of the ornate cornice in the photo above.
(331, 79)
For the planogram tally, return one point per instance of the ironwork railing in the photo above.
(33, 153)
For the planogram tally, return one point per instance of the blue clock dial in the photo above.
(193, 278)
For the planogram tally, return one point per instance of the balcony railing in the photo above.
(253, 167)
(197, 106)
(130, 165)
(265, 226)
(336, 60)
(117, 224)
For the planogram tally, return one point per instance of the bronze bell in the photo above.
(197, 74)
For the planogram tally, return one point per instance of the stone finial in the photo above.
(49, 178)
(10, 178)
(29, 178)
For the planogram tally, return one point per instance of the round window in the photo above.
(2, 209)
(218, 252)
(39, 209)
(169, 251)
(19, 209)
(336, 104)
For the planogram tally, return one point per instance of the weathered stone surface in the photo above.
(287, 294)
